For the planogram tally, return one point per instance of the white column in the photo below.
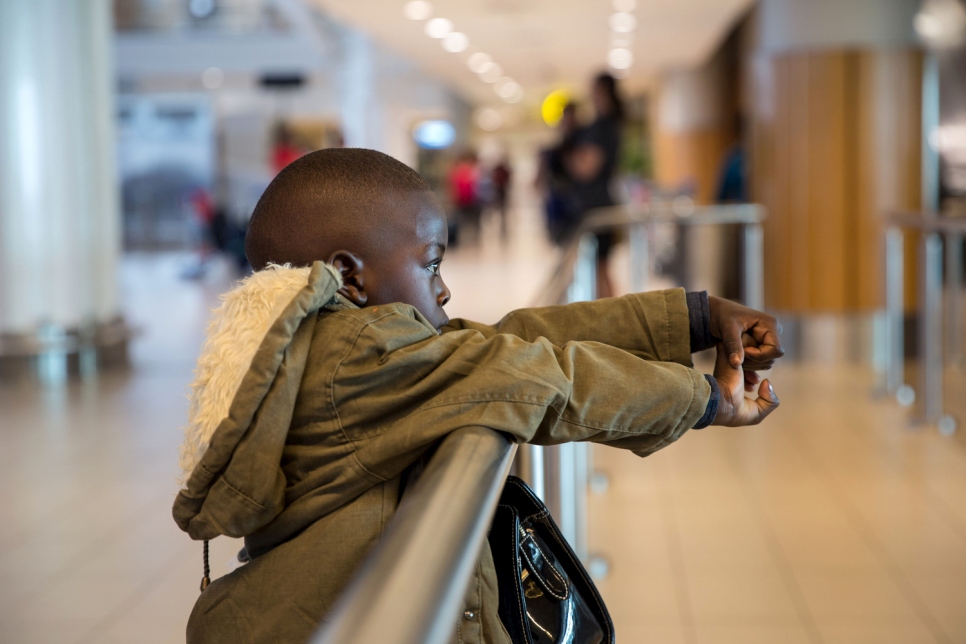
(358, 91)
(59, 214)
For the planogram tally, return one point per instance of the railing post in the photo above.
(640, 257)
(931, 328)
(754, 266)
(954, 298)
(566, 465)
(584, 286)
(530, 467)
(895, 312)
(582, 464)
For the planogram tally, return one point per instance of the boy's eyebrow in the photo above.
(440, 248)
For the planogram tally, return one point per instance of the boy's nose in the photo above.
(443, 296)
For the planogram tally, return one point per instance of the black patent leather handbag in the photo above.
(546, 595)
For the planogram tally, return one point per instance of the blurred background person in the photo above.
(554, 183)
(592, 163)
(463, 182)
(202, 208)
(500, 177)
(284, 148)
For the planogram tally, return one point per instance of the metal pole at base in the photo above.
(753, 289)
(530, 467)
(640, 257)
(954, 298)
(931, 328)
(584, 286)
(895, 312)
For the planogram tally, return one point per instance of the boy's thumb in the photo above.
(767, 400)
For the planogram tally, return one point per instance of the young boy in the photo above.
(324, 380)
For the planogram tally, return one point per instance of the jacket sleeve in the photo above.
(396, 401)
(652, 325)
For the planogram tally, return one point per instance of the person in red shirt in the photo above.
(464, 180)
(284, 150)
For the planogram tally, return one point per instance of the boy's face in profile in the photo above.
(410, 272)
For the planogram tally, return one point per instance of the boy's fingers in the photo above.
(724, 364)
(768, 337)
(767, 400)
(731, 337)
(764, 352)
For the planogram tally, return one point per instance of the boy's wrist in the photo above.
(699, 320)
(711, 411)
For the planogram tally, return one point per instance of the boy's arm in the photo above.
(654, 326)
(417, 391)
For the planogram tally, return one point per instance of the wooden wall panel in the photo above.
(835, 146)
(824, 185)
(865, 220)
(691, 157)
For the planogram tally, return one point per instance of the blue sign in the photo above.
(435, 135)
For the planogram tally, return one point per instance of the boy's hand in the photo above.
(734, 410)
(751, 339)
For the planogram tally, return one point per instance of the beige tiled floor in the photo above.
(830, 523)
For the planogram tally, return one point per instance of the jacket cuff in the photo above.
(699, 318)
(711, 411)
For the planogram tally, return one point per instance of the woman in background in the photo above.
(592, 164)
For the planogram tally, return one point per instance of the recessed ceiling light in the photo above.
(440, 27)
(516, 97)
(488, 119)
(491, 73)
(623, 22)
(625, 6)
(941, 23)
(478, 62)
(507, 88)
(456, 42)
(418, 10)
(620, 58)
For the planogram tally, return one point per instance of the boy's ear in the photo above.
(350, 267)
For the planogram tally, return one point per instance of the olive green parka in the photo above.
(307, 411)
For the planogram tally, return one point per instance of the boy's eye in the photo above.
(434, 267)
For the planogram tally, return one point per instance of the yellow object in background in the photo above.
(553, 106)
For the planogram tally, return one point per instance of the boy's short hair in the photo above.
(320, 199)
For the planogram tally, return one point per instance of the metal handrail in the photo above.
(637, 216)
(412, 585)
(929, 222)
(934, 232)
(666, 212)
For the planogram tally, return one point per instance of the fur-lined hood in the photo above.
(243, 397)
(250, 316)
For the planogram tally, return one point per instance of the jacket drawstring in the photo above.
(206, 579)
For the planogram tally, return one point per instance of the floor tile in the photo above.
(880, 631)
(759, 632)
